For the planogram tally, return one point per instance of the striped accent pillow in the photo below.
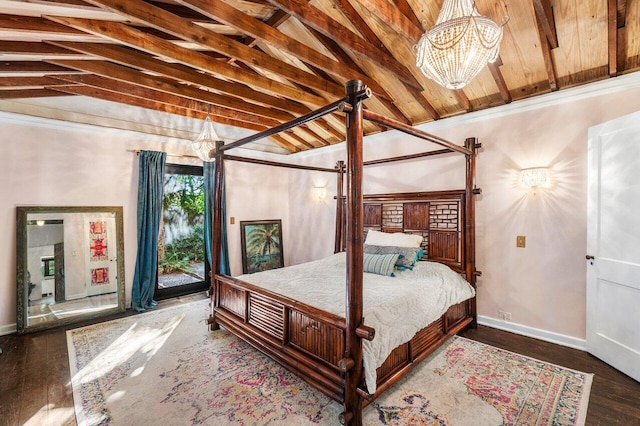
(381, 264)
(408, 255)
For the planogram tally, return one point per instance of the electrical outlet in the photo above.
(521, 241)
(504, 316)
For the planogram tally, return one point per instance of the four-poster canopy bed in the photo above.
(325, 348)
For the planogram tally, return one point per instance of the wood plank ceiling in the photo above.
(258, 63)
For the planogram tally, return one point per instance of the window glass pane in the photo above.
(181, 241)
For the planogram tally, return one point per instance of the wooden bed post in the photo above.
(339, 208)
(216, 230)
(470, 225)
(352, 414)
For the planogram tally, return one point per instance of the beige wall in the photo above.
(543, 285)
(45, 162)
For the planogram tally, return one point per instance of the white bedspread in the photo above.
(396, 307)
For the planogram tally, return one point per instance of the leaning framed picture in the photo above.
(261, 245)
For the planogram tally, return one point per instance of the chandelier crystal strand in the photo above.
(205, 144)
(461, 43)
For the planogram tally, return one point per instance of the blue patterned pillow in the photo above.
(381, 264)
(409, 256)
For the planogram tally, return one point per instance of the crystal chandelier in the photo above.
(205, 144)
(461, 43)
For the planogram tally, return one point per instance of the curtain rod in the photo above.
(137, 151)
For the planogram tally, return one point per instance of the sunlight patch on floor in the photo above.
(146, 340)
(48, 415)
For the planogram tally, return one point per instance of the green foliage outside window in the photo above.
(183, 200)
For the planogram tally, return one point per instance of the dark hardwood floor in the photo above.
(35, 384)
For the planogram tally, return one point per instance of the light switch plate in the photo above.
(232, 220)
(521, 241)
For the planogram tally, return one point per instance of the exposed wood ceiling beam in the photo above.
(308, 14)
(404, 7)
(259, 30)
(277, 18)
(612, 11)
(33, 48)
(186, 30)
(394, 18)
(139, 60)
(617, 10)
(29, 93)
(34, 24)
(32, 67)
(319, 141)
(75, 4)
(300, 140)
(284, 142)
(622, 13)
(109, 95)
(621, 61)
(27, 82)
(342, 56)
(166, 98)
(499, 79)
(128, 75)
(181, 11)
(176, 9)
(544, 14)
(347, 9)
(354, 17)
(548, 59)
(155, 45)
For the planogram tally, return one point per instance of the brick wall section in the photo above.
(392, 215)
(443, 215)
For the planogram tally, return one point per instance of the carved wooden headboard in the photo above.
(437, 216)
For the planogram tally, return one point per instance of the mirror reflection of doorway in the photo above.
(71, 260)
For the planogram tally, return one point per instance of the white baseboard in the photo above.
(536, 333)
(7, 329)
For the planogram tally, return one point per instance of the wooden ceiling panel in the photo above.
(262, 62)
(582, 37)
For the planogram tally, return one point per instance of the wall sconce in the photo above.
(319, 193)
(535, 177)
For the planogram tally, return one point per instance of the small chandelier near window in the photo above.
(205, 144)
(461, 43)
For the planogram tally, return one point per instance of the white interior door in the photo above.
(613, 239)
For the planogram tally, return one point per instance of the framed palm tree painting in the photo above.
(261, 245)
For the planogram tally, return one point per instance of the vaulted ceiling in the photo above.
(257, 63)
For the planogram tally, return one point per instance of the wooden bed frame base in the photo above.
(310, 342)
(324, 349)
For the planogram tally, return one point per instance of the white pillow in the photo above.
(396, 239)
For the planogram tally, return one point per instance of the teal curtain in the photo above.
(150, 194)
(209, 186)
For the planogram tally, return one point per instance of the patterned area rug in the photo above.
(164, 367)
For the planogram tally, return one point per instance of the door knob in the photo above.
(589, 257)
